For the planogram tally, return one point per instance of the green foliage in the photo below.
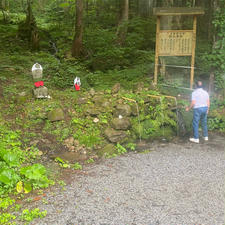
(126, 77)
(120, 149)
(8, 177)
(6, 202)
(86, 132)
(156, 119)
(141, 35)
(215, 60)
(77, 166)
(11, 158)
(36, 174)
(91, 160)
(29, 215)
(216, 124)
(102, 48)
(62, 163)
(131, 146)
(5, 218)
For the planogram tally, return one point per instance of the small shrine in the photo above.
(39, 91)
(176, 42)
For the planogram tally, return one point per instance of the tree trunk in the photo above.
(5, 8)
(77, 47)
(123, 23)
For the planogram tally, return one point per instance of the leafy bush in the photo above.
(216, 124)
(11, 159)
(36, 174)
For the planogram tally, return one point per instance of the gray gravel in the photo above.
(174, 184)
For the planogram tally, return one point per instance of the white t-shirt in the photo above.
(201, 98)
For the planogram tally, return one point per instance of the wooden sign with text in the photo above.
(175, 43)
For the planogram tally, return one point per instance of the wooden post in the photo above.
(193, 51)
(156, 50)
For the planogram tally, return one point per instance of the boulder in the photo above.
(98, 100)
(71, 157)
(92, 111)
(41, 92)
(21, 98)
(123, 110)
(108, 150)
(106, 104)
(134, 111)
(115, 135)
(115, 88)
(56, 114)
(121, 124)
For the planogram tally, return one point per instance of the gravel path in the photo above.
(174, 184)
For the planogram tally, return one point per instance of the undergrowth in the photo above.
(17, 176)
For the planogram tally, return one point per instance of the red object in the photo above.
(39, 83)
(77, 87)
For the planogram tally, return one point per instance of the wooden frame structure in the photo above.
(176, 42)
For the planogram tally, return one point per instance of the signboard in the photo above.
(175, 43)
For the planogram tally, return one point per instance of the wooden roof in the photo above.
(178, 11)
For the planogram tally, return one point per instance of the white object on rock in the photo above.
(37, 71)
(120, 116)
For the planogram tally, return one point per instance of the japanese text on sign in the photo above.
(175, 43)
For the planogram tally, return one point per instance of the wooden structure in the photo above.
(176, 42)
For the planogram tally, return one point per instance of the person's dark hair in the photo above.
(199, 84)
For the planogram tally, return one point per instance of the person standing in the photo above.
(200, 103)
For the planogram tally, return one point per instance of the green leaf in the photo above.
(27, 188)
(36, 171)
(8, 177)
(12, 159)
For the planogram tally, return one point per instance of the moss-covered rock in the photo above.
(56, 115)
(115, 136)
(123, 110)
(121, 123)
(134, 110)
(108, 150)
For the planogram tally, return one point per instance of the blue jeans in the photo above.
(200, 114)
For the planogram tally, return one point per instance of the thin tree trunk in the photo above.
(77, 47)
(123, 23)
(211, 82)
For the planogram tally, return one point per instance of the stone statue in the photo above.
(40, 91)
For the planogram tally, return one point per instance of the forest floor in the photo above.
(167, 184)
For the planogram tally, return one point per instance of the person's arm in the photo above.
(191, 105)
